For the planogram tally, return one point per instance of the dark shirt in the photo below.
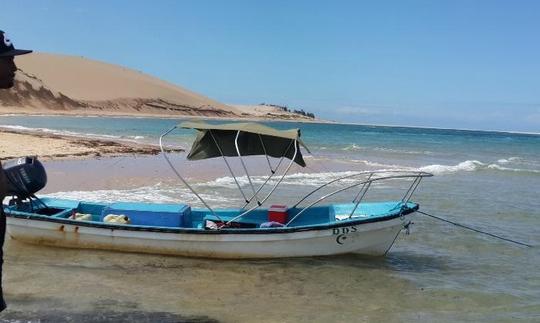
(3, 188)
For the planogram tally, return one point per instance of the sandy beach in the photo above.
(52, 146)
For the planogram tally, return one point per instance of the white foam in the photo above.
(60, 132)
(352, 147)
(151, 194)
(470, 166)
(509, 160)
(497, 167)
(75, 134)
(355, 147)
(136, 137)
(380, 165)
(313, 179)
(317, 179)
(467, 166)
(141, 194)
(401, 151)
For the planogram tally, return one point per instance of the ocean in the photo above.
(439, 272)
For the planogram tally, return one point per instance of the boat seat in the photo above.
(57, 208)
(161, 215)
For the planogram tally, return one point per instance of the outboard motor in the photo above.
(25, 176)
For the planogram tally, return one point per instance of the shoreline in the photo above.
(159, 116)
(48, 146)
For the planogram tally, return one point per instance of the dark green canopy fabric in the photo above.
(277, 143)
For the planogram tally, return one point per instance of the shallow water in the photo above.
(437, 273)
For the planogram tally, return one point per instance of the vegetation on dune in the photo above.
(287, 109)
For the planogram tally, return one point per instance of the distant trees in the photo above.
(304, 113)
(287, 109)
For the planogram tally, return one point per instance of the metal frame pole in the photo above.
(269, 177)
(228, 166)
(274, 188)
(180, 176)
(245, 168)
(421, 174)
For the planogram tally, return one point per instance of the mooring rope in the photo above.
(475, 230)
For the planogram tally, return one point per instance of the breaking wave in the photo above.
(465, 166)
(303, 179)
(380, 166)
(135, 138)
(352, 147)
(509, 160)
(151, 194)
(401, 151)
(471, 166)
(317, 179)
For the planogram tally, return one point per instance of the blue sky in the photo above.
(456, 64)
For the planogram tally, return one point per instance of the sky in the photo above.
(451, 64)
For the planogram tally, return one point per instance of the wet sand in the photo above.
(48, 281)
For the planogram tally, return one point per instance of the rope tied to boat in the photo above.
(476, 230)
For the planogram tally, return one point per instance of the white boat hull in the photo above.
(373, 238)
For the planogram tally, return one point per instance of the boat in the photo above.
(310, 227)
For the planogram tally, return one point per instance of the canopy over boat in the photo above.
(250, 139)
(216, 140)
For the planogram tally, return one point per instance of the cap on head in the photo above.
(7, 48)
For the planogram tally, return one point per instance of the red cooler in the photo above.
(278, 213)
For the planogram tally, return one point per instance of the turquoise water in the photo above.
(488, 180)
(399, 146)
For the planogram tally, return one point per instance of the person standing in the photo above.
(7, 76)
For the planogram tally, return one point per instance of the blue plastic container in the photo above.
(161, 215)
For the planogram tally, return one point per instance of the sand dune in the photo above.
(89, 80)
(72, 85)
(69, 84)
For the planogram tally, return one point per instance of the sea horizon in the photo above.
(254, 119)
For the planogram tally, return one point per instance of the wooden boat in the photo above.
(308, 228)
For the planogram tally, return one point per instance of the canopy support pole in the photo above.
(411, 190)
(270, 176)
(361, 197)
(180, 176)
(275, 186)
(266, 155)
(286, 170)
(245, 168)
(229, 167)
(405, 175)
